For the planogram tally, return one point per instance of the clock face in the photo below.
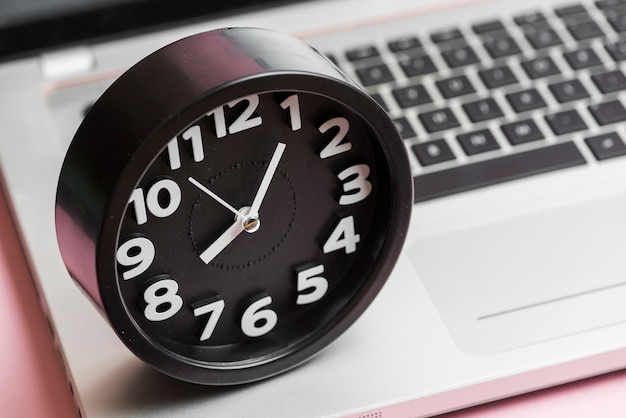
(256, 230)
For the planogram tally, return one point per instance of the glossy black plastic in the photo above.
(153, 102)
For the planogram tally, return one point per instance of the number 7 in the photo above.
(214, 309)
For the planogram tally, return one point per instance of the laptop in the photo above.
(513, 275)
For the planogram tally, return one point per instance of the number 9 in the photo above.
(137, 252)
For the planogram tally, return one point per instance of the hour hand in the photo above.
(222, 242)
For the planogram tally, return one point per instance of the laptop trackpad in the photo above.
(529, 279)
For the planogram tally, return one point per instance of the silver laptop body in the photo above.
(504, 287)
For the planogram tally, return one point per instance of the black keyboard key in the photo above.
(529, 18)
(477, 142)
(583, 58)
(617, 50)
(375, 74)
(569, 10)
(565, 122)
(540, 67)
(483, 109)
(522, 131)
(586, 29)
(433, 152)
(497, 77)
(404, 127)
(411, 96)
(567, 91)
(459, 57)
(543, 38)
(497, 170)
(438, 120)
(605, 4)
(332, 58)
(455, 86)
(606, 146)
(525, 100)
(486, 27)
(608, 112)
(502, 47)
(362, 52)
(610, 81)
(617, 21)
(417, 66)
(446, 35)
(403, 44)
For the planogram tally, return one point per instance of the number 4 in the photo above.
(343, 236)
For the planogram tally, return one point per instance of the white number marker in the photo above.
(152, 202)
(311, 286)
(194, 134)
(214, 309)
(138, 252)
(243, 122)
(292, 104)
(173, 154)
(337, 145)
(359, 187)
(343, 237)
(162, 299)
(257, 321)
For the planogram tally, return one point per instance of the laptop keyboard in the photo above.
(502, 98)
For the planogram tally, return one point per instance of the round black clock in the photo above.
(233, 203)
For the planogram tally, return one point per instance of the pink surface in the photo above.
(32, 383)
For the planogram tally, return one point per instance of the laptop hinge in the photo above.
(69, 62)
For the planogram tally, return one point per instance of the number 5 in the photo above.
(310, 279)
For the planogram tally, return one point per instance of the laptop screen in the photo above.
(31, 26)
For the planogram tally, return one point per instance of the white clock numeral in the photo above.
(337, 145)
(257, 321)
(344, 237)
(173, 154)
(157, 207)
(162, 299)
(293, 105)
(310, 285)
(214, 309)
(246, 120)
(358, 188)
(220, 121)
(138, 252)
(194, 134)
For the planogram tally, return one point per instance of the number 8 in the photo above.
(162, 299)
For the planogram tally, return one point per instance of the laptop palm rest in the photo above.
(528, 279)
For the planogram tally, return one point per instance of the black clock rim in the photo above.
(334, 86)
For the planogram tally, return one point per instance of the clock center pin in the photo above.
(251, 223)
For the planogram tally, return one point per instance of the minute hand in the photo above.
(267, 178)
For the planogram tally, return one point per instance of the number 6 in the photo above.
(255, 313)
